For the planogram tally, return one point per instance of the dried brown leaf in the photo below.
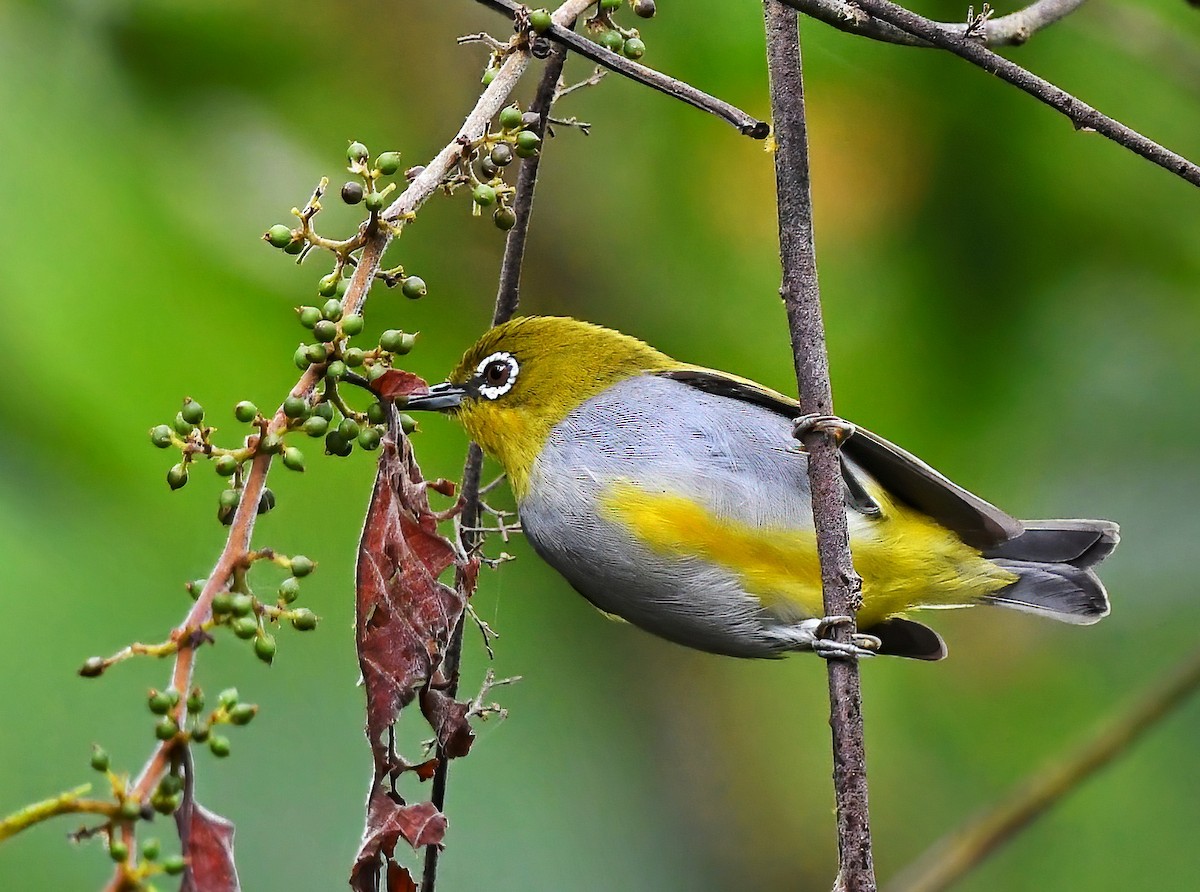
(388, 822)
(208, 846)
(396, 383)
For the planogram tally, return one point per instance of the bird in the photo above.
(675, 497)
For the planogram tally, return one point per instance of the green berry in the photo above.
(336, 370)
(309, 316)
(527, 141)
(169, 785)
(130, 810)
(166, 728)
(611, 4)
(222, 603)
(229, 498)
(357, 152)
(245, 411)
(483, 195)
(304, 620)
(302, 566)
(332, 310)
(295, 407)
(336, 444)
(325, 331)
(612, 40)
(293, 459)
(414, 287)
(502, 155)
(151, 849)
(200, 731)
(489, 75)
(242, 604)
(99, 758)
(296, 247)
(219, 746)
(226, 465)
(245, 627)
(278, 235)
(316, 426)
(177, 477)
(289, 590)
(192, 412)
(510, 118)
(181, 425)
(375, 369)
(348, 428)
(195, 700)
(242, 714)
(159, 702)
(300, 357)
(117, 850)
(160, 436)
(353, 357)
(388, 163)
(369, 438)
(324, 409)
(376, 413)
(327, 286)
(343, 287)
(266, 501)
(196, 586)
(352, 325)
(375, 202)
(227, 697)
(352, 193)
(504, 218)
(264, 647)
(540, 21)
(176, 863)
(634, 48)
(391, 340)
(316, 354)
(408, 424)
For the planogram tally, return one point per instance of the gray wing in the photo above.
(978, 523)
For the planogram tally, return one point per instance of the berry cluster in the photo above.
(606, 32)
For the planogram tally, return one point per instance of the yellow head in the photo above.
(523, 377)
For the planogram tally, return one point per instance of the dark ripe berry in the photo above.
(278, 235)
(225, 515)
(504, 218)
(530, 120)
(510, 118)
(160, 436)
(245, 411)
(388, 163)
(502, 155)
(414, 287)
(242, 604)
(302, 566)
(222, 603)
(182, 427)
(413, 172)
(368, 438)
(375, 202)
(316, 354)
(325, 331)
(220, 748)
(488, 168)
(644, 8)
(336, 444)
(192, 411)
(175, 864)
(304, 620)
(352, 193)
(353, 357)
(634, 48)
(336, 370)
(408, 424)
(245, 627)
(295, 407)
(242, 714)
(352, 325)
(177, 477)
(293, 459)
(229, 498)
(316, 426)
(266, 501)
(332, 310)
(328, 285)
(612, 40)
(348, 428)
(166, 728)
(324, 409)
(93, 667)
(289, 590)
(226, 465)
(294, 248)
(99, 759)
(357, 152)
(391, 340)
(300, 357)
(264, 647)
(483, 195)
(376, 413)
(540, 21)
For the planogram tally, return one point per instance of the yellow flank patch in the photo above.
(906, 560)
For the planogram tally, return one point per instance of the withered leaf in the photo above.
(448, 718)
(208, 846)
(388, 822)
(397, 383)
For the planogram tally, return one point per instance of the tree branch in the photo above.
(1082, 115)
(802, 300)
(1010, 30)
(963, 849)
(656, 80)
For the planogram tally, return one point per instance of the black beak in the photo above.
(439, 398)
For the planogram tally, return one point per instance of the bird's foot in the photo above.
(838, 428)
(859, 645)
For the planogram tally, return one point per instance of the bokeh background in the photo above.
(1012, 300)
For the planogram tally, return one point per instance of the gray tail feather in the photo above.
(1060, 591)
(1080, 543)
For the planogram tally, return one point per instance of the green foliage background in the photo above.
(1014, 301)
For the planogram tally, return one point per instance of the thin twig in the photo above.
(1010, 30)
(801, 296)
(963, 849)
(507, 298)
(1082, 115)
(746, 124)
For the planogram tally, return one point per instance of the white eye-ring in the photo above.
(497, 374)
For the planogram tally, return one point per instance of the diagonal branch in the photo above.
(802, 299)
(656, 80)
(1082, 115)
(1010, 30)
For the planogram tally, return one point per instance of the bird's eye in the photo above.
(496, 375)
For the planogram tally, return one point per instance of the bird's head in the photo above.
(525, 376)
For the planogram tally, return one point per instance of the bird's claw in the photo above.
(839, 428)
(860, 644)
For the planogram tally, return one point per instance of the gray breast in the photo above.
(665, 436)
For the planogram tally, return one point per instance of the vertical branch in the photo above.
(801, 297)
(507, 299)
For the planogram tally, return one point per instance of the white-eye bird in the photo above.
(673, 496)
